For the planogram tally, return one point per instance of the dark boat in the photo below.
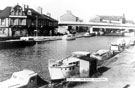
(16, 43)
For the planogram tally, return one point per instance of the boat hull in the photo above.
(15, 44)
(68, 37)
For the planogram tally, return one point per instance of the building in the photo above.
(69, 17)
(22, 21)
(40, 24)
(108, 19)
(111, 19)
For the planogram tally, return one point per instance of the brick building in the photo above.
(69, 17)
(22, 21)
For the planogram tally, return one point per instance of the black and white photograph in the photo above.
(67, 44)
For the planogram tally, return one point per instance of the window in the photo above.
(3, 30)
(29, 12)
(0, 29)
(73, 68)
(32, 79)
(2, 21)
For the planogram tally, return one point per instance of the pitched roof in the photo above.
(33, 11)
(41, 15)
(69, 17)
(6, 12)
(50, 18)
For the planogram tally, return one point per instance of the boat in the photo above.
(16, 43)
(24, 79)
(79, 64)
(101, 55)
(116, 33)
(129, 34)
(27, 38)
(116, 48)
(87, 34)
(68, 37)
(132, 41)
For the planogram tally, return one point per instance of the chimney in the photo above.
(27, 6)
(39, 9)
(123, 19)
(24, 7)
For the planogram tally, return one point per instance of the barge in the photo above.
(79, 64)
(16, 43)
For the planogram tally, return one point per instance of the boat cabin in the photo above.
(102, 54)
(87, 66)
(116, 48)
(23, 79)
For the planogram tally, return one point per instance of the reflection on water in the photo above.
(36, 57)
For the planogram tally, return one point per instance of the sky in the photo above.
(84, 9)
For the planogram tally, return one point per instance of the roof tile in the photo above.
(5, 13)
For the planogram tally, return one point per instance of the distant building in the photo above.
(17, 21)
(107, 19)
(69, 17)
(111, 19)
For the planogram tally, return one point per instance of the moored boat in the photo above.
(129, 34)
(87, 34)
(24, 79)
(79, 64)
(68, 37)
(116, 48)
(102, 54)
(16, 43)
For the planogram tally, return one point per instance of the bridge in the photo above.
(92, 25)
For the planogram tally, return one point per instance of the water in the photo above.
(36, 57)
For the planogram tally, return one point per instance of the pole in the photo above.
(36, 25)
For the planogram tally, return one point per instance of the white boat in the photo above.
(102, 54)
(27, 38)
(68, 37)
(129, 34)
(76, 65)
(87, 34)
(23, 79)
(116, 48)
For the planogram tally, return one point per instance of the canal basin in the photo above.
(36, 57)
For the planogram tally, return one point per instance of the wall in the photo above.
(84, 68)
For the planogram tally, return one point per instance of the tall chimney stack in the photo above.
(39, 9)
(24, 7)
(27, 6)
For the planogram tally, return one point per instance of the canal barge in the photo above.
(79, 64)
(101, 55)
(16, 43)
(116, 48)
